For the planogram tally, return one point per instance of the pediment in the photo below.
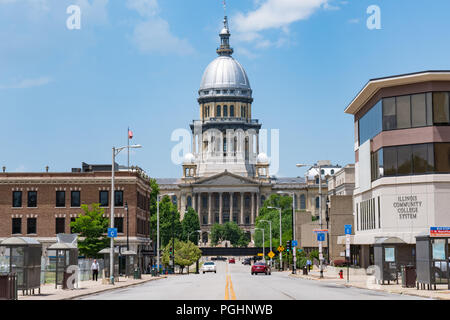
(226, 179)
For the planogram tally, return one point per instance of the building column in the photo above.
(194, 201)
(258, 201)
(210, 218)
(252, 213)
(220, 208)
(200, 208)
(231, 206)
(241, 217)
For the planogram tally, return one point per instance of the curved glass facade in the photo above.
(404, 112)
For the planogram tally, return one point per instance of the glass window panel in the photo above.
(404, 160)
(231, 111)
(75, 199)
(418, 110)
(32, 199)
(403, 112)
(420, 155)
(389, 117)
(429, 109)
(218, 111)
(31, 226)
(16, 226)
(442, 157)
(60, 225)
(390, 161)
(370, 124)
(60, 199)
(17, 199)
(430, 167)
(103, 198)
(440, 108)
(118, 198)
(225, 111)
(380, 163)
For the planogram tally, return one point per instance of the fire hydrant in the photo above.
(341, 274)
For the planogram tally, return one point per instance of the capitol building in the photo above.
(226, 178)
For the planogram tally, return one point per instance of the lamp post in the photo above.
(264, 251)
(294, 252)
(128, 239)
(281, 256)
(320, 212)
(270, 231)
(327, 218)
(158, 199)
(115, 152)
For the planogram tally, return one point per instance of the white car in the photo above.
(209, 267)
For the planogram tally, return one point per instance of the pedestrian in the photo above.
(94, 268)
(308, 263)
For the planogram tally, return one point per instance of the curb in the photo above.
(113, 288)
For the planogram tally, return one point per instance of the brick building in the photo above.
(41, 205)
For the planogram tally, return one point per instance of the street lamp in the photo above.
(294, 254)
(270, 231)
(327, 218)
(264, 251)
(115, 152)
(320, 211)
(158, 199)
(128, 241)
(281, 256)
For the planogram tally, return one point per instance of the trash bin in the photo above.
(305, 271)
(408, 276)
(137, 273)
(8, 286)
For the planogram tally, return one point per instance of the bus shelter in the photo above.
(432, 261)
(22, 256)
(130, 262)
(106, 255)
(62, 255)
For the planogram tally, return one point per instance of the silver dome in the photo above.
(225, 76)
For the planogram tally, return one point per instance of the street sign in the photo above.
(112, 232)
(280, 249)
(439, 231)
(294, 243)
(321, 236)
(271, 254)
(260, 254)
(348, 229)
(320, 230)
(300, 250)
(347, 245)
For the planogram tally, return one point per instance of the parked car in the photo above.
(261, 267)
(247, 261)
(231, 260)
(209, 267)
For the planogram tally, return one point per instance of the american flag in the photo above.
(130, 134)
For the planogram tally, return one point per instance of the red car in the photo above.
(261, 267)
(231, 260)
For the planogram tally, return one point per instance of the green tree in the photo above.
(229, 231)
(168, 216)
(190, 225)
(277, 201)
(185, 254)
(153, 208)
(91, 227)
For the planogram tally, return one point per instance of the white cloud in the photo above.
(153, 35)
(93, 12)
(28, 83)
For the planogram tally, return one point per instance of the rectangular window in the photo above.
(17, 226)
(403, 112)
(60, 225)
(60, 199)
(32, 199)
(404, 160)
(370, 124)
(118, 223)
(31, 226)
(431, 164)
(418, 110)
(118, 198)
(75, 199)
(440, 108)
(420, 158)
(429, 109)
(389, 117)
(442, 157)
(103, 198)
(357, 216)
(390, 161)
(17, 199)
(72, 220)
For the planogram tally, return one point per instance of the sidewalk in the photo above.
(48, 291)
(367, 282)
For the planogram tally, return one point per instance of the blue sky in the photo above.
(68, 96)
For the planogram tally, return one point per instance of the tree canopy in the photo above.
(186, 254)
(91, 227)
(190, 226)
(229, 231)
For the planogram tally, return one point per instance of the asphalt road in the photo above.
(234, 282)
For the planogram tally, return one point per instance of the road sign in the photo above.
(280, 249)
(112, 232)
(294, 243)
(260, 254)
(439, 231)
(321, 236)
(348, 229)
(300, 250)
(271, 254)
(320, 230)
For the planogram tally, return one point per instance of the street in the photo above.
(234, 282)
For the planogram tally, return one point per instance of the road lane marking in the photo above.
(233, 294)
(227, 297)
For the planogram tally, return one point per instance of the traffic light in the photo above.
(171, 251)
(288, 246)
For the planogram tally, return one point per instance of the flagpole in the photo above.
(128, 147)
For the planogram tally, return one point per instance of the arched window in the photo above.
(242, 111)
(317, 202)
(189, 202)
(302, 202)
(295, 201)
(317, 180)
(218, 113)
(231, 111)
(322, 172)
(332, 171)
(225, 111)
